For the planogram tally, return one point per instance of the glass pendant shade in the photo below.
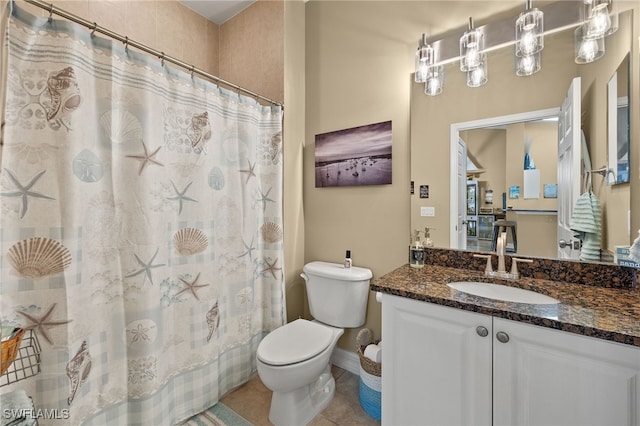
(528, 65)
(471, 48)
(435, 80)
(420, 75)
(424, 58)
(478, 76)
(615, 24)
(529, 32)
(599, 21)
(587, 49)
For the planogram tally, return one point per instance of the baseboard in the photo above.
(346, 360)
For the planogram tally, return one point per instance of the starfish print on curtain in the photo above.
(191, 286)
(145, 157)
(146, 267)
(24, 191)
(271, 267)
(181, 195)
(249, 248)
(250, 171)
(43, 323)
(264, 198)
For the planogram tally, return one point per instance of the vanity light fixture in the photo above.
(591, 20)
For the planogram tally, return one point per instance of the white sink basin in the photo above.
(503, 292)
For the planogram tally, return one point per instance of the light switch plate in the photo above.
(427, 211)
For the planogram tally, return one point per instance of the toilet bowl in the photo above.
(294, 360)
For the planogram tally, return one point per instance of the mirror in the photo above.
(507, 95)
(619, 130)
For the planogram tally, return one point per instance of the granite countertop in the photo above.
(609, 313)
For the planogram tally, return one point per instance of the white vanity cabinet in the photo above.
(446, 366)
(436, 368)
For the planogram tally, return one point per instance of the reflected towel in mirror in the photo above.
(586, 223)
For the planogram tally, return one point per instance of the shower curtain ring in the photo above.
(126, 43)
(93, 30)
(192, 69)
(50, 13)
(162, 58)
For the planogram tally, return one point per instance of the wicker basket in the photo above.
(370, 385)
(370, 366)
(10, 350)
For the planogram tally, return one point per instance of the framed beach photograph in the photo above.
(356, 156)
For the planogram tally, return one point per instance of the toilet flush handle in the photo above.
(304, 276)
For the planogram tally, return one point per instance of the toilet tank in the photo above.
(337, 295)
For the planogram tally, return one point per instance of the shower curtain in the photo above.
(141, 228)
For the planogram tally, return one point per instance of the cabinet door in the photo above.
(436, 367)
(548, 377)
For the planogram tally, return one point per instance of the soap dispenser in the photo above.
(427, 238)
(416, 251)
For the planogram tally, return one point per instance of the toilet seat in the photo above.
(294, 342)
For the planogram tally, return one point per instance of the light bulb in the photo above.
(421, 71)
(599, 21)
(528, 43)
(528, 65)
(588, 50)
(471, 48)
(422, 65)
(477, 76)
(529, 32)
(435, 80)
(472, 56)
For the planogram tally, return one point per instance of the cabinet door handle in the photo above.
(482, 331)
(502, 337)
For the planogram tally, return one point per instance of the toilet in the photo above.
(294, 361)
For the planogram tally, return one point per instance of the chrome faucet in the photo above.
(501, 243)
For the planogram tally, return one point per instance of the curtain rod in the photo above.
(128, 42)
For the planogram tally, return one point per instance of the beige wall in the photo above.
(357, 73)
(488, 149)
(544, 154)
(294, 130)
(252, 49)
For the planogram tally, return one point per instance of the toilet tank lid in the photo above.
(337, 271)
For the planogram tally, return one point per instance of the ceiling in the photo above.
(217, 11)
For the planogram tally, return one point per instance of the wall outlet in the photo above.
(427, 211)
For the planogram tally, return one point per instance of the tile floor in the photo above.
(252, 401)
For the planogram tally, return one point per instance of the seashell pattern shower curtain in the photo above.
(140, 228)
